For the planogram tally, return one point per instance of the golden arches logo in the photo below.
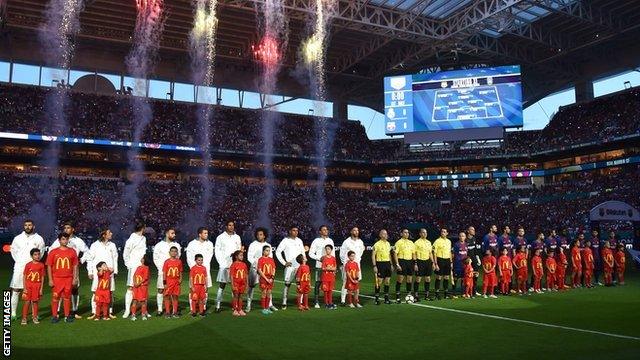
(487, 266)
(173, 271)
(523, 262)
(353, 273)
(267, 269)
(239, 274)
(198, 279)
(138, 280)
(552, 266)
(63, 263)
(305, 277)
(103, 284)
(34, 276)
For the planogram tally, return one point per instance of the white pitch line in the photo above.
(529, 322)
(496, 317)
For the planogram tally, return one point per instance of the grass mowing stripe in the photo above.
(510, 319)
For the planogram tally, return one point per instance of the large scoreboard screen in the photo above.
(452, 100)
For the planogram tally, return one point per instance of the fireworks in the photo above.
(267, 51)
(312, 50)
(202, 40)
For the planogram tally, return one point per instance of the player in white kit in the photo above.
(21, 253)
(355, 244)
(291, 246)
(203, 246)
(160, 255)
(317, 252)
(134, 249)
(102, 250)
(79, 246)
(226, 244)
(253, 254)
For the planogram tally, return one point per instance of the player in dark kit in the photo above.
(552, 241)
(474, 251)
(490, 241)
(597, 256)
(460, 252)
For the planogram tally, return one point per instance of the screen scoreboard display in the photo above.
(453, 100)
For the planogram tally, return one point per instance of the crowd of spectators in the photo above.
(93, 202)
(231, 129)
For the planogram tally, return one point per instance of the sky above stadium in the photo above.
(536, 116)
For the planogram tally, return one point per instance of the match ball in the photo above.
(409, 299)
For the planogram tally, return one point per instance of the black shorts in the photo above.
(407, 267)
(425, 268)
(384, 269)
(444, 266)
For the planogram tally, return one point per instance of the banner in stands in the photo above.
(614, 211)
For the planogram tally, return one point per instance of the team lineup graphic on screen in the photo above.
(460, 99)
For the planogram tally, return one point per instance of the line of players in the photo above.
(101, 258)
(460, 260)
(505, 257)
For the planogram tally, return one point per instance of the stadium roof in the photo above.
(558, 42)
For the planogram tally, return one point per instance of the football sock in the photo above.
(54, 307)
(285, 291)
(349, 298)
(306, 300)
(377, 291)
(35, 310)
(66, 305)
(159, 301)
(343, 293)
(416, 287)
(249, 297)
(270, 300)
(408, 287)
(98, 311)
(437, 287)
(194, 306)
(128, 298)
(316, 291)
(15, 297)
(219, 297)
(446, 286)
(25, 309)
(74, 302)
(175, 305)
(398, 285)
(93, 304)
(134, 307)
(386, 290)
(167, 307)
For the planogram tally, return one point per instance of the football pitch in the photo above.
(594, 323)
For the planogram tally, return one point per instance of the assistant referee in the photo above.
(442, 253)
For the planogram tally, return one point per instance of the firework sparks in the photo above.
(270, 53)
(202, 41)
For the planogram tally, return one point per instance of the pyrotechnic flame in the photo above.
(267, 51)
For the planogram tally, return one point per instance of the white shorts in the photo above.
(290, 274)
(94, 283)
(17, 279)
(130, 273)
(160, 282)
(254, 277)
(223, 276)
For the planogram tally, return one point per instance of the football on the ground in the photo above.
(409, 299)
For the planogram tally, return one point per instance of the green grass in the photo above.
(374, 332)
